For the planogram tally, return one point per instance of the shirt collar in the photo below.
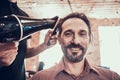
(61, 66)
(89, 67)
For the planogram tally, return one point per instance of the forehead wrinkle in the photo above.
(74, 22)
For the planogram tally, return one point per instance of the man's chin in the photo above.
(74, 56)
(75, 59)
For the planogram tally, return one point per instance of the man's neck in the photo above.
(74, 68)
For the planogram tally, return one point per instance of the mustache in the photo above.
(72, 45)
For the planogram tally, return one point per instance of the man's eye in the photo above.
(68, 34)
(83, 34)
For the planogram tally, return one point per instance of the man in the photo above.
(12, 57)
(74, 37)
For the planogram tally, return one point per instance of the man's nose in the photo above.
(76, 39)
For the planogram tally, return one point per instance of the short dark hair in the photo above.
(81, 16)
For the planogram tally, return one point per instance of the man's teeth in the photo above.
(75, 49)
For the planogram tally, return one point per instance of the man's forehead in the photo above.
(74, 23)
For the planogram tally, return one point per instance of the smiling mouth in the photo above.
(75, 49)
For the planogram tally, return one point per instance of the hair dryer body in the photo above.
(16, 28)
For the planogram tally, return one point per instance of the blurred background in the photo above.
(104, 16)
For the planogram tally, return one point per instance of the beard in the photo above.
(74, 58)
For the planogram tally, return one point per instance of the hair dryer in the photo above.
(17, 28)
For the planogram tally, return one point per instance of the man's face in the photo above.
(74, 39)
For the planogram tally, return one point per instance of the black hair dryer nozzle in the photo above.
(16, 28)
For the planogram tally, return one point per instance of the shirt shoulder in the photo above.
(107, 74)
(50, 73)
(44, 74)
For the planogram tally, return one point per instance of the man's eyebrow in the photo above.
(82, 30)
(69, 30)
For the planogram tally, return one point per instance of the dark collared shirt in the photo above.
(90, 73)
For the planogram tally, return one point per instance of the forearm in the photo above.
(36, 50)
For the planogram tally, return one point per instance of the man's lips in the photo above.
(75, 50)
